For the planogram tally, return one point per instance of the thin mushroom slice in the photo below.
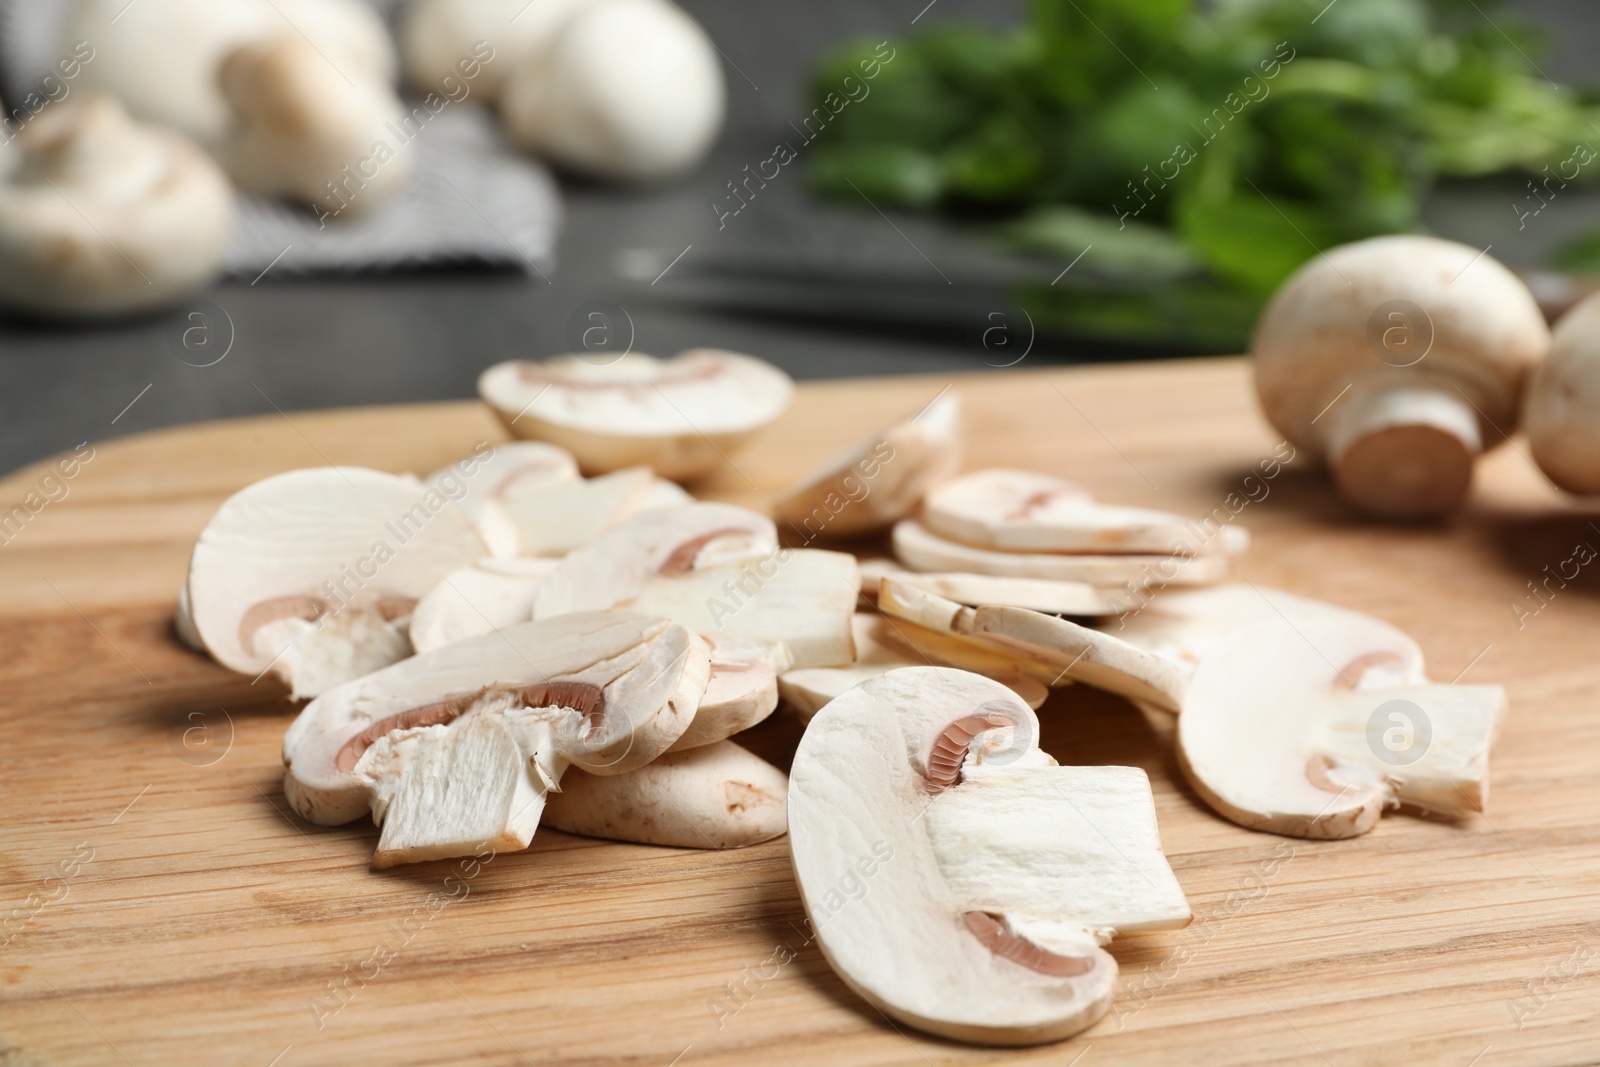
(1024, 511)
(954, 876)
(715, 796)
(1050, 649)
(878, 651)
(508, 469)
(923, 550)
(880, 480)
(458, 747)
(713, 568)
(681, 415)
(1185, 625)
(314, 574)
(558, 518)
(1282, 731)
(661, 543)
(1035, 594)
(489, 596)
(742, 692)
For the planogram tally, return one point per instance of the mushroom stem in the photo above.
(1404, 452)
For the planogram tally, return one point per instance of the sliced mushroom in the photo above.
(1036, 594)
(1298, 729)
(922, 550)
(458, 747)
(882, 479)
(1045, 647)
(742, 692)
(102, 216)
(954, 876)
(1398, 360)
(314, 574)
(1024, 511)
(626, 90)
(558, 518)
(877, 653)
(715, 796)
(183, 621)
(306, 131)
(490, 595)
(681, 416)
(508, 469)
(160, 57)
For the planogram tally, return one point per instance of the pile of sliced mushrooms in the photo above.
(120, 197)
(548, 632)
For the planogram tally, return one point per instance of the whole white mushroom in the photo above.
(161, 57)
(1562, 411)
(629, 90)
(100, 215)
(1397, 360)
(439, 39)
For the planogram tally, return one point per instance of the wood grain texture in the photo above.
(206, 923)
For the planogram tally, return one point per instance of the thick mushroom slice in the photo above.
(714, 796)
(458, 747)
(313, 574)
(716, 569)
(922, 550)
(742, 692)
(882, 479)
(879, 651)
(490, 595)
(680, 416)
(1298, 729)
(975, 590)
(954, 876)
(1045, 647)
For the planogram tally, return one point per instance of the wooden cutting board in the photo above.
(160, 906)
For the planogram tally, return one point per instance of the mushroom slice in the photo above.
(715, 796)
(954, 876)
(559, 518)
(313, 574)
(1283, 731)
(1035, 594)
(880, 480)
(681, 415)
(1184, 625)
(877, 653)
(1050, 649)
(1023, 511)
(743, 690)
(666, 542)
(922, 550)
(458, 747)
(488, 596)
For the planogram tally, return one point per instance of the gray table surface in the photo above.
(298, 343)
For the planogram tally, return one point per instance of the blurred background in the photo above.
(967, 186)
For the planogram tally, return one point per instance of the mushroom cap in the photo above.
(161, 57)
(1338, 324)
(1561, 413)
(922, 550)
(1025, 511)
(437, 35)
(103, 216)
(881, 479)
(1282, 723)
(631, 681)
(627, 90)
(659, 543)
(302, 539)
(715, 796)
(302, 128)
(678, 415)
(953, 876)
